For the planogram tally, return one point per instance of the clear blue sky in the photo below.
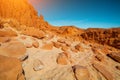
(81, 13)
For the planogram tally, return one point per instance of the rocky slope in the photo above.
(103, 36)
(58, 53)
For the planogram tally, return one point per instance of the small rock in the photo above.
(78, 47)
(62, 59)
(35, 44)
(81, 72)
(61, 40)
(57, 44)
(65, 48)
(48, 46)
(37, 65)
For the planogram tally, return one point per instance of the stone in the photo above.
(62, 59)
(35, 44)
(57, 44)
(10, 69)
(61, 40)
(64, 48)
(81, 72)
(37, 65)
(48, 46)
(5, 39)
(13, 49)
(34, 32)
(28, 45)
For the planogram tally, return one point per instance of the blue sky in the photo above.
(81, 13)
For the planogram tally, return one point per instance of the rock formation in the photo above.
(32, 49)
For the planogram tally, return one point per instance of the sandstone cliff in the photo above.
(22, 11)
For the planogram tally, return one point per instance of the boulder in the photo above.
(13, 49)
(62, 59)
(81, 72)
(57, 44)
(34, 32)
(48, 46)
(10, 69)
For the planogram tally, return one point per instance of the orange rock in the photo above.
(28, 45)
(81, 72)
(48, 46)
(6, 32)
(35, 44)
(34, 32)
(13, 49)
(5, 39)
(10, 69)
(68, 43)
(65, 48)
(16, 8)
(62, 59)
(57, 44)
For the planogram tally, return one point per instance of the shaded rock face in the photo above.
(115, 56)
(10, 69)
(103, 36)
(22, 11)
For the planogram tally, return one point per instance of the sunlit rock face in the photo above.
(20, 10)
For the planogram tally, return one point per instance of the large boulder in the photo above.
(13, 49)
(10, 69)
